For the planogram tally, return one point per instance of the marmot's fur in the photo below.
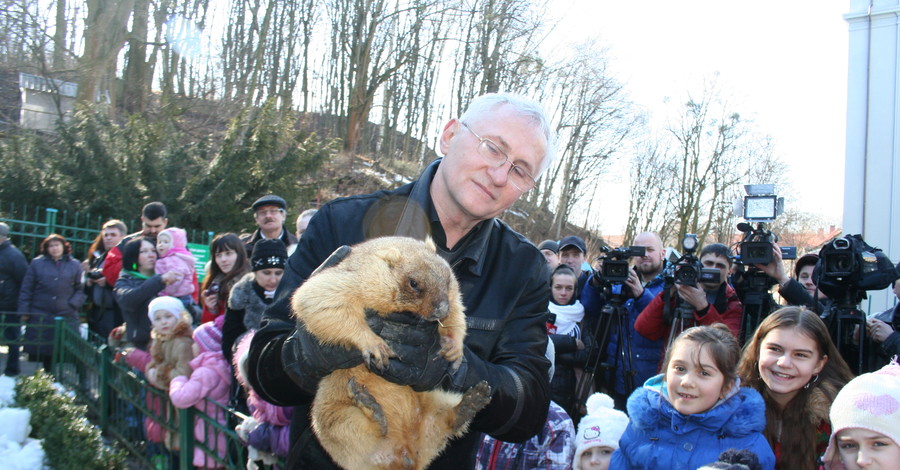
(361, 419)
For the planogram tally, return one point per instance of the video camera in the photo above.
(688, 271)
(850, 265)
(761, 206)
(615, 263)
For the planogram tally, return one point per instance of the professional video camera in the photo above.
(847, 268)
(615, 263)
(688, 270)
(760, 206)
(611, 277)
(849, 264)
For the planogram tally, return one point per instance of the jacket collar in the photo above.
(471, 248)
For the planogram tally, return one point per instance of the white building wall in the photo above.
(872, 168)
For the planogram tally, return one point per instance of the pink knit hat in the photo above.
(209, 335)
(870, 401)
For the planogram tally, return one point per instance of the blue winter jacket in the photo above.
(645, 354)
(661, 437)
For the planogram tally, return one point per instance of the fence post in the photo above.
(106, 359)
(51, 220)
(58, 325)
(186, 428)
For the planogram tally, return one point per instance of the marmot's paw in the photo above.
(451, 348)
(472, 402)
(378, 355)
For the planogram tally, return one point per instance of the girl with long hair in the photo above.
(793, 363)
(228, 264)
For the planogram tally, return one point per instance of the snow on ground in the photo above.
(17, 450)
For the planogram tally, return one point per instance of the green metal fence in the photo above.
(125, 406)
(29, 225)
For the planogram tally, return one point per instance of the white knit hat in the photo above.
(169, 304)
(602, 426)
(870, 401)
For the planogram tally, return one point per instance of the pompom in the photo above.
(599, 401)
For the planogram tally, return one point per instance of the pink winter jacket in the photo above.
(180, 260)
(210, 380)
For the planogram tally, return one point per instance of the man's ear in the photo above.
(450, 130)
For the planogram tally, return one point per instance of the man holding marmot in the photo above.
(492, 155)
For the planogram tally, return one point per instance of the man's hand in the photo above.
(775, 268)
(635, 286)
(693, 295)
(417, 343)
(313, 359)
(878, 330)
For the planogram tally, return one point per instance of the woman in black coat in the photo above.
(51, 288)
(137, 285)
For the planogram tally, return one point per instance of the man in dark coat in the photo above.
(270, 212)
(491, 153)
(12, 269)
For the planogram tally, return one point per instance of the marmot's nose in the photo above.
(441, 310)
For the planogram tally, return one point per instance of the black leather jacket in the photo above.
(505, 287)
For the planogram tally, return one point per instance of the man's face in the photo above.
(573, 257)
(712, 260)
(302, 223)
(897, 288)
(111, 237)
(651, 263)
(270, 218)
(467, 188)
(552, 258)
(151, 228)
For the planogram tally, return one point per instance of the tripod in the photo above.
(757, 302)
(613, 317)
(681, 318)
(847, 324)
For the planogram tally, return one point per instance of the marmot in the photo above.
(361, 419)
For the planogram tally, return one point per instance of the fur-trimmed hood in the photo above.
(661, 437)
(740, 414)
(244, 297)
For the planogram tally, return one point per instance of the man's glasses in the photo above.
(494, 155)
(272, 212)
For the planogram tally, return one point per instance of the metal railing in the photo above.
(29, 225)
(135, 415)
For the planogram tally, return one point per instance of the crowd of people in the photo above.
(583, 373)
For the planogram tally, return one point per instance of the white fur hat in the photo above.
(169, 304)
(602, 426)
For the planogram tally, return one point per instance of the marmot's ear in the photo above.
(429, 243)
(392, 256)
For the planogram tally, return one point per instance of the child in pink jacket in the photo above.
(171, 245)
(209, 382)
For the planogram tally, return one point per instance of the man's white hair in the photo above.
(481, 106)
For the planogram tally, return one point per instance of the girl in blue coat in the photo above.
(684, 418)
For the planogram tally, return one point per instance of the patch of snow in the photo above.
(14, 424)
(7, 391)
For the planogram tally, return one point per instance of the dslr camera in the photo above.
(688, 271)
(615, 263)
(93, 274)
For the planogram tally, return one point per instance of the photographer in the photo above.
(800, 291)
(884, 330)
(644, 282)
(711, 303)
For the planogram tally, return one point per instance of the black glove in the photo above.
(417, 343)
(307, 361)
